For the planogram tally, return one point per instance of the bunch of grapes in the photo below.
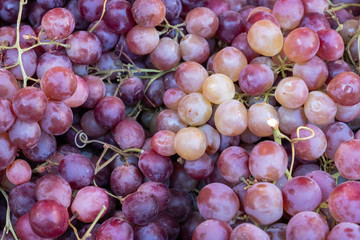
(179, 119)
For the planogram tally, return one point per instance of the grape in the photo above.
(240, 42)
(265, 38)
(140, 208)
(194, 48)
(248, 231)
(48, 218)
(154, 166)
(291, 119)
(264, 203)
(346, 159)
(268, 161)
(128, 134)
(163, 143)
(315, 21)
(153, 96)
(8, 85)
(258, 115)
(212, 138)
(231, 24)
(77, 169)
(159, 191)
(85, 47)
(336, 67)
(118, 16)
(233, 164)
(24, 135)
(344, 230)
(9, 10)
(314, 72)
(307, 225)
(90, 10)
(289, 13)
(301, 44)
(22, 198)
(319, 108)
(142, 40)
(255, 79)
(173, 8)
(325, 181)
(212, 229)
(349, 29)
(7, 119)
(336, 133)
(202, 21)
(304, 169)
(58, 23)
(312, 148)
(170, 224)
(172, 97)
(28, 58)
(344, 88)
(151, 231)
(96, 90)
(301, 194)
(148, 13)
(166, 55)
(190, 76)
(331, 45)
(106, 36)
(57, 119)
(347, 113)
(131, 91)
(109, 111)
(190, 143)
(180, 205)
(8, 35)
(88, 203)
(199, 168)
(194, 109)
(181, 180)
(115, 228)
(169, 120)
(218, 201)
(229, 61)
(291, 92)
(18, 172)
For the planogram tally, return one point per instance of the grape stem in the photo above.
(101, 17)
(339, 6)
(8, 226)
(351, 41)
(167, 26)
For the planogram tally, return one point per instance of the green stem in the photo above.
(8, 226)
(101, 17)
(87, 233)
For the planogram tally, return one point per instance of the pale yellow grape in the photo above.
(265, 37)
(320, 108)
(258, 116)
(230, 61)
(190, 143)
(218, 88)
(194, 109)
(231, 118)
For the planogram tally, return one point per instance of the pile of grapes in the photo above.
(179, 119)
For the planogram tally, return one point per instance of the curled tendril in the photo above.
(298, 138)
(82, 137)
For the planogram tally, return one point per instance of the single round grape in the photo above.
(154, 166)
(172, 98)
(58, 23)
(90, 10)
(7, 117)
(194, 48)
(231, 118)
(57, 119)
(314, 72)
(233, 164)
(331, 45)
(289, 13)
(319, 108)
(229, 61)
(77, 169)
(88, 203)
(85, 48)
(148, 13)
(346, 159)
(22, 198)
(212, 138)
(8, 85)
(218, 201)
(301, 194)
(24, 135)
(313, 148)
(125, 179)
(301, 44)
(115, 228)
(265, 37)
(325, 181)
(264, 203)
(258, 116)
(268, 161)
(344, 88)
(53, 187)
(166, 55)
(255, 79)
(128, 134)
(131, 91)
(142, 40)
(109, 111)
(194, 109)
(212, 229)
(218, 88)
(199, 168)
(231, 24)
(190, 143)
(248, 231)
(291, 92)
(344, 230)
(315, 21)
(291, 119)
(336, 133)
(202, 21)
(163, 143)
(18, 172)
(118, 16)
(140, 208)
(48, 218)
(307, 225)
(190, 76)
(58, 83)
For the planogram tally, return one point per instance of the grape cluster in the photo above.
(179, 119)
